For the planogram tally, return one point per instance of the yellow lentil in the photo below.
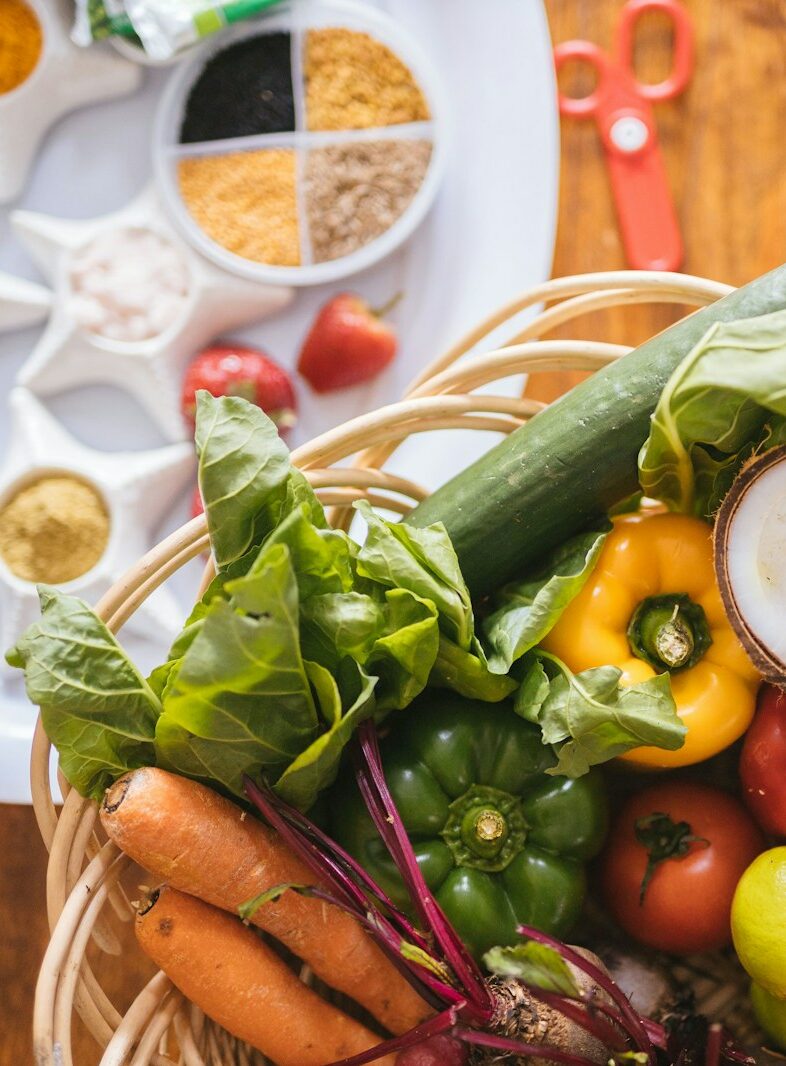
(245, 201)
(20, 43)
(353, 81)
(53, 530)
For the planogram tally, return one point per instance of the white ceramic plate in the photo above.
(489, 235)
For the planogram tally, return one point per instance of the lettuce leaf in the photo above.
(240, 700)
(424, 561)
(301, 635)
(529, 609)
(723, 402)
(345, 706)
(468, 673)
(590, 718)
(243, 474)
(96, 707)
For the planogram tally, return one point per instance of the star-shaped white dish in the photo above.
(65, 78)
(138, 488)
(22, 303)
(68, 355)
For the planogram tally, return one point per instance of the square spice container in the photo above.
(303, 146)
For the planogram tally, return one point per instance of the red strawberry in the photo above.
(347, 344)
(197, 504)
(233, 370)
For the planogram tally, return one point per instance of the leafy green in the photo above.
(345, 708)
(96, 707)
(421, 560)
(243, 472)
(301, 636)
(468, 673)
(240, 701)
(391, 632)
(538, 965)
(590, 718)
(530, 608)
(725, 400)
(248, 909)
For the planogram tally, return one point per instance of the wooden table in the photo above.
(725, 151)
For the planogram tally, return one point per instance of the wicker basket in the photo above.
(84, 894)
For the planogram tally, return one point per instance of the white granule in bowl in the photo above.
(127, 284)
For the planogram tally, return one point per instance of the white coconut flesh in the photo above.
(750, 559)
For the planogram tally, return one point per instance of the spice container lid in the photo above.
(385, 171)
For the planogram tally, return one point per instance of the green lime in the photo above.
(771, 1013)
(758, 921)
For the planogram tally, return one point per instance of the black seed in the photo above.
(243, 90)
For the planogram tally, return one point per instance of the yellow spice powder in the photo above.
(20, 43)
(245, 201)
(53, 530)
(354, 81)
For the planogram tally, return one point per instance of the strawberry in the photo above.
(347, 344)
(234, 370)
(197, 504)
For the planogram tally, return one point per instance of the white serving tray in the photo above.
(489, 236)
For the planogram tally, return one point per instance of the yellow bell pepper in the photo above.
(654, 587)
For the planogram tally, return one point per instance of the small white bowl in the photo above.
(297, 17)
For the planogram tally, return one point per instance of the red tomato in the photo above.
(687, 904)
(763, 762)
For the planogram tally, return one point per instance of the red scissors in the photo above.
(622, 107)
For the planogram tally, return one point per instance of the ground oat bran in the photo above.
(356, 191)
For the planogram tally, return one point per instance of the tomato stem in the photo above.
(664, 839)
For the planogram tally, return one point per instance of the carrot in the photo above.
(239, 982)
(201, 843)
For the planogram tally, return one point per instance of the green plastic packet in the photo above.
(162, 27)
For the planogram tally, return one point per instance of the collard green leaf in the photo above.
(344, 706)
(537, 965)
(421, 560)
(240, 700)
(243, 472)
(530, 608)
(591, 718)
(714, 410)
(96, 707)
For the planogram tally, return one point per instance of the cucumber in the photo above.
(577, 458)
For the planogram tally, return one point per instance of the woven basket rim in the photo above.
(84, 870)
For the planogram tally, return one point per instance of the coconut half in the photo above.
(750, 561)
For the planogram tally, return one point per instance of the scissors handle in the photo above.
(683, 57)
(645, 210)
(584, 52)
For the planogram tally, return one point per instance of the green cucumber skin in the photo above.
(577, 458)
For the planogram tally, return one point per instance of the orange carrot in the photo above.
(201, 843)
(239, 982)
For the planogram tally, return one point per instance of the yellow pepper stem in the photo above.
(670, 632)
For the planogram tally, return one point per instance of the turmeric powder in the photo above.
(21, 41)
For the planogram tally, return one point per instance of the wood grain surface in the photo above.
(724, 145)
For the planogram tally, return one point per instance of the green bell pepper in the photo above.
(498, 841)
